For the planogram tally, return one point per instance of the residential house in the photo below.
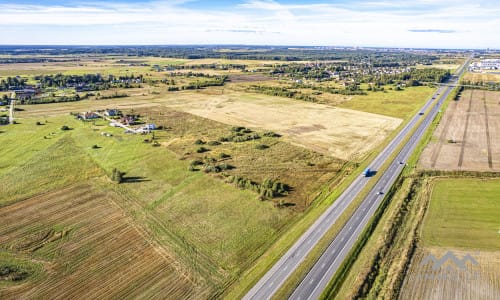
(25, 94)
(128, 120)
(111, 112)
(89, 115)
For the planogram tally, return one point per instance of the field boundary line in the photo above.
(488, 137)
(462, 148)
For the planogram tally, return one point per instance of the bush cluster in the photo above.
(268, 189)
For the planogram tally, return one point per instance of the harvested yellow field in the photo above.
(467, 137)
(484, 77)
(342, 133)
(477, 278)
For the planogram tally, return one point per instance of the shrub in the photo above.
(213, 143)
(237, 128)
(38, 123)
(117, 176)
(199, 142)
(202, 150)
(262, 146)
(224, 155)
(268, 189)
(64, 127)
(271, 134)
(196, 162)
(95, 147)
(225, 166)
(210, 159)
(211, 169)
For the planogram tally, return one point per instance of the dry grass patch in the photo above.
(342, 133)
(484, 77)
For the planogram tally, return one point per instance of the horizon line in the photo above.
(240, 45)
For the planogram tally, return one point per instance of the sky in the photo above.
(373, 23)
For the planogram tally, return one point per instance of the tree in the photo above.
(117, 176)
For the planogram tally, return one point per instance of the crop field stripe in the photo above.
(154, 244)
(133, 267)
(488, 138)
(442, 136)
(462, 149)
(156, 222)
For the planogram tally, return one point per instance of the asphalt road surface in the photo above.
(318, 277)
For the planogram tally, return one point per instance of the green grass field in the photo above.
(400, 104)
(215, 237)
(464, 213)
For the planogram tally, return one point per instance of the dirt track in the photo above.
(468, 137)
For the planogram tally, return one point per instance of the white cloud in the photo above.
(376, 23)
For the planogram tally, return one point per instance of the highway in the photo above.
(318, 277)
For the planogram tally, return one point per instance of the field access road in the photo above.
(318, 277)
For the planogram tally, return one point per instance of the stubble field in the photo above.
(462, 218)
(468, 137)
(89, 248)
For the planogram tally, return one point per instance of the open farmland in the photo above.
(232, 172)
(180, 213)
(481, 77)
(462, 218)
(304, 170)
(468, 137)
(398, 104)
(342, 133)
(464, 213)
(479, 281)
(88, 247)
